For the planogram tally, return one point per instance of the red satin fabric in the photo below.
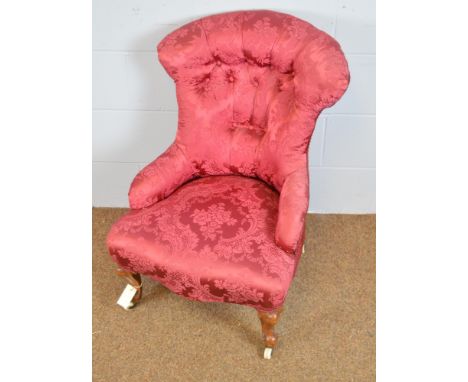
(250, 86)
(211, 240)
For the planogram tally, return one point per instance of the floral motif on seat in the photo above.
(211, 240)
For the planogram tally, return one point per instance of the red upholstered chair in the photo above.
(220, 216)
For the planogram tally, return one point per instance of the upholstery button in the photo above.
(231, 79)
(218, 62)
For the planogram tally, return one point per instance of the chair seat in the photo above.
(210, 240)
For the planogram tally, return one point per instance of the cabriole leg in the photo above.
(268, 321)
(133, 279)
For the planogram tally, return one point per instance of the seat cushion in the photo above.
(210, 240)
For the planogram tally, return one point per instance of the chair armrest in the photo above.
(160, 178)
(292, 211)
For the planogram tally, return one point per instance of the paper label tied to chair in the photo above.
(125, 299)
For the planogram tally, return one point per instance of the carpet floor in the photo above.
(326, 332)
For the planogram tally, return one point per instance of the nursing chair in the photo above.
(220, 215)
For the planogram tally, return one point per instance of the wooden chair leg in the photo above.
(134, 279)
(268, 321)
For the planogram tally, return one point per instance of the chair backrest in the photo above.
(250, 86)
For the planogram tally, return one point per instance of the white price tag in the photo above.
(125, 299)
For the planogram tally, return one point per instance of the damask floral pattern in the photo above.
(212, 219)
(250, 86)
(211, 240)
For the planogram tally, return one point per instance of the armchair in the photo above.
(220, 216)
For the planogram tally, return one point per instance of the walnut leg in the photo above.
(134, 279)
(269, 320)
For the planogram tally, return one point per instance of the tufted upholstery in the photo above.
(250, 86)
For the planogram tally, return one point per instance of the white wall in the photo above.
(134, 104)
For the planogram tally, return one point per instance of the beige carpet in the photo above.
(327, 331)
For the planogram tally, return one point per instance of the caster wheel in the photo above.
(267, 353)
